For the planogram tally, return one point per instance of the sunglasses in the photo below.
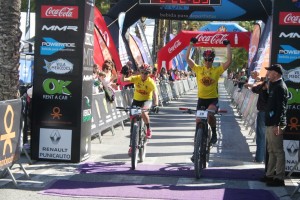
(208, 59)
(145, 73)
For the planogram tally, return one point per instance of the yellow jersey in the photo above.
(143, 90)
(207, 80)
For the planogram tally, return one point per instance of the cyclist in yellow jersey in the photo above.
(207, 81)
(144, 89)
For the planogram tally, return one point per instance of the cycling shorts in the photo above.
(206, 102)
(143, 104)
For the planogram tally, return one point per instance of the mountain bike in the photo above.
(202, 138)
(138, 139)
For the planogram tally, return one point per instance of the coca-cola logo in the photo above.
(60, 12)
(174, 47)
(289, 18)
(212, 39)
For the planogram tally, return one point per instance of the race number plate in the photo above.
(201, 113)
(135, 111)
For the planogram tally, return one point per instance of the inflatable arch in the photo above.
(205, 39)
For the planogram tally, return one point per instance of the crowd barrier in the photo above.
(245, 102)
(106, 116)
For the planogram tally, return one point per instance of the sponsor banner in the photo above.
(254, 41)
(64, 67)
(135, 51)
(50, 46)
(10, 129)
(59, 12)
(103, 32)
(58, 65)
(291, 148)
(57, 28)
(229, 10)
(205, 39)
(259, 56)
(286, 51)
(55, 144)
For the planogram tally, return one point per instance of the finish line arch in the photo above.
(226, 10)
(205, 39)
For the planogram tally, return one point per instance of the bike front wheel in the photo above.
(134, 146)
(198, 152)
(143, 142)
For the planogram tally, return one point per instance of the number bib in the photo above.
(202, 114)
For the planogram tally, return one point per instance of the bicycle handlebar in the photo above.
(131, 107)
(190, 111)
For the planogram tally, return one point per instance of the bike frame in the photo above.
(201, 145)
(137, 134)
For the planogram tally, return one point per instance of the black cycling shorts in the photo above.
(142, 104)
(206, 102)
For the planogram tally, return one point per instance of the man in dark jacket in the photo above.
(275, 121)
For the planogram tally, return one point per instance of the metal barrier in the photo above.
(106, 116)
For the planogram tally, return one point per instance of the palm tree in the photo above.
(10, 35)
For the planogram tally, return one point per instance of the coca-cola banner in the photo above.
(205, 39)
(64, 46)
(285, 51)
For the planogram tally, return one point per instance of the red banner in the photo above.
(103, 31)
(205, 39)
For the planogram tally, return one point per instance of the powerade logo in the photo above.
(56, 89)
(51, 46)
(59, 66)
(288, 54)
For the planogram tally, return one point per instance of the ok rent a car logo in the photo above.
(56, 89)
(51, 46)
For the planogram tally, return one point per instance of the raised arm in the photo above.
(229, 56)
(189, 61)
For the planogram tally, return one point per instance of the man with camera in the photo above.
(207, 81)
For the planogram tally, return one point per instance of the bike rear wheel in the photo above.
(198, 153)
(134, 146)
(143, 144)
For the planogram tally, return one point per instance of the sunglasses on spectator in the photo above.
(107, 69)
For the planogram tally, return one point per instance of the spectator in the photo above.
(242, 79)
(110, 77)
(261, 89)
(126, 85)
(275, 120)
(97, 82)
(163, 74)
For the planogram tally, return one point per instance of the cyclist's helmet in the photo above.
(146, 68)
(209, 55)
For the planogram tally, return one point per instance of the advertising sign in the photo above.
(64, 49)
(286, 51)
(10, 130)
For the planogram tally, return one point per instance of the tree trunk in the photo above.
(10, 35)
